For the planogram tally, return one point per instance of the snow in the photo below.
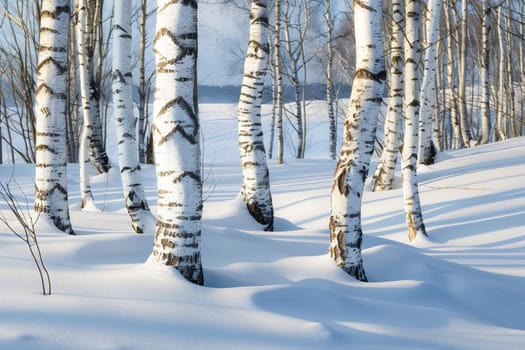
(461, 288)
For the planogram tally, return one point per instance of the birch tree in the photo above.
(502, 58)
(81, 15)
(358, 139)
(428, 85)
(90, 35)
(463, 112)
(176, 140)
(329, 80)
(255, 190)
(451, 78)
(414, 217)
(51, 200)
(125, 121)
(142, 105)
(485, 73)
(278, 79)
(384, 176)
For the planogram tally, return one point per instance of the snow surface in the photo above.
(462, 288)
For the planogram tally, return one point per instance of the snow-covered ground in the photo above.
(463, 288)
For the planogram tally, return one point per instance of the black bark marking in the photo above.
(256, 46)
(341, 181)
(363, 5)
(62, 69)
(186, 107)
(356, 271)
(192, 175)
(118, 76)
(192, 3)
(258, 213)
(366, 74)
(414, 103)
(45, 148)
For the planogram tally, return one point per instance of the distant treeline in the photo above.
(230, 93)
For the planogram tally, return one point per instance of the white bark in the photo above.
(502, 100)
(463, 112)
(125, 120)
(279, 83)
(87, 116)
(428, 95)
(255, 189)
(50, 99)
(358, 141)
(142, 84)
(414, 217)
(385, 171)
(329, 80)
(86, 196)
(176, 140)
(485, 74)
(451, 57)
(513, 127)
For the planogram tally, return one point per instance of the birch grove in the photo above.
(255, 189)
(358, 140)
(125, 120)
(51, 200)
(176, 140)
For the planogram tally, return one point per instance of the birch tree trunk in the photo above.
(87, 116)
(274, 104)
(293, 53)
(255, 189)
(73, 115)
(329, 81)
(414, 217)
(463, 112)
(451, 56)
(502, 101)
(86, 196)
(358, 139)
(51, 200)
(384, 176)
(440, 129)
(279, 83)
(513, 123)
(97, 152)
(485, 74)
(428, 93)
(522, 67)
(176, 140)
(142, 83)
(125, 120)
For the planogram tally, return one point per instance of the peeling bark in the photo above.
(358, 140)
